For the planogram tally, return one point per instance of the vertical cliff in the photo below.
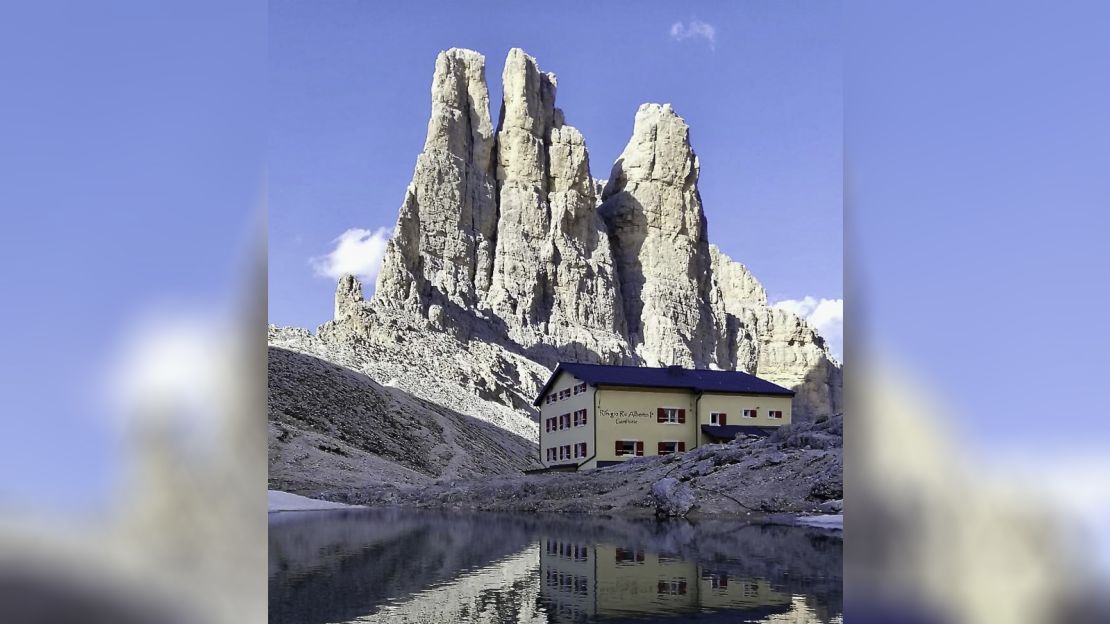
(442, 247)
(654, 214)
(553, 280)
(502, 239)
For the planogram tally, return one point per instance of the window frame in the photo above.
(678, 414)
(637, 448)
(754, 413)
(771, 414)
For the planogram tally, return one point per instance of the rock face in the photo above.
(553, 279)
(442, 248)
(508, 245)
(672, 499)
(652, 208)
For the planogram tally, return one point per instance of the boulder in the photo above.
(671, 498)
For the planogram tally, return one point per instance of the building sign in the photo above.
(627, 417)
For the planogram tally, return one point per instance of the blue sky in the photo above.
(132, 182)
(977, 213)
(758, 82)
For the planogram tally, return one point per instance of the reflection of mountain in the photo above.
(338, 565)
(505, 591)
(413, 566)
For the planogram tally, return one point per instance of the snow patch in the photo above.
(284, 501)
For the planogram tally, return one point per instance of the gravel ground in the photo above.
(797, 470)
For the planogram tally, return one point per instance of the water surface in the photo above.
(392, 565)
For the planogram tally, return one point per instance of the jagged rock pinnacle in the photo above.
(502, 240)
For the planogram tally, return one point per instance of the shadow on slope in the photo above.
(333, 428)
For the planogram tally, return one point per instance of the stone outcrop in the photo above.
(553, 280)
(652, 208)
(772, 343)
(442, 248)
(508, 246)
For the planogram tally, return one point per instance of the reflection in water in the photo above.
(393, 565)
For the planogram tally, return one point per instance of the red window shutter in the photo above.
(663, 587)
(661, 448)
(640, 449)
(682, 588)
(724, 581)
(723, 419)
(661, 415)
(681, 416)
(681, 447)
(618, 448)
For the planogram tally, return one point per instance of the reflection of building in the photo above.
(581, 582)
(593, 415)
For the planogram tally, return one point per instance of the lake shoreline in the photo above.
(299, 503)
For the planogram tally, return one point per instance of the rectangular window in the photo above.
(628, 555)
(673, 587)
(774, 414)
(671, 415)
(579, 388)
(668, 448)
(564, 421)
(580, 418)
(749, 413)
(628, 448)
(718, 418)
(582, 448)
(564, 394)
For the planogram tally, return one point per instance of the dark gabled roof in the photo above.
(697, 380)
(728, 432)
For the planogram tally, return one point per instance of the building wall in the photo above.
(628, 413)
(734, 405)
(573, 435)
(582, 581)
(629, 582)
(631, 414)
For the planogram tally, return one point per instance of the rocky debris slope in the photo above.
(332, 429)
(504, 239)
(478, 378)
(797, 470)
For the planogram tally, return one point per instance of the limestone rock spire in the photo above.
(654, 214)
(442, 246)
(348, 296)
(553, 277)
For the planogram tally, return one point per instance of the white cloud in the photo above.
(825, 315)
(694, 29)
(357, 251)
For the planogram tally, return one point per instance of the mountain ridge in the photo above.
(503, 227)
